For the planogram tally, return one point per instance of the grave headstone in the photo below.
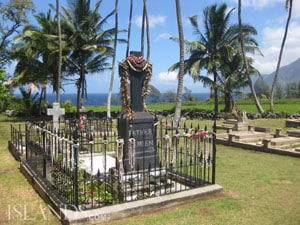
(56, 112)
(135, 125)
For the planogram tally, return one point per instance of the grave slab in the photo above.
(294, 133)
(284, 141)
(292, 123)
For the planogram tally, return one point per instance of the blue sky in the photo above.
(267, 16)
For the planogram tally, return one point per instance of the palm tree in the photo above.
(233, 77)
(177, 113)
(113, 61)
(257, 103)
(289, 6)
(90, 44)
(216, 45)
(36, 54)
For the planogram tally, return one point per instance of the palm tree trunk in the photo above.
(113, 62)
(177, 113)
(228, 101)
(40, 102)
(129, 28)
(83, 86)
(143, 30)
(59, 54)
(289, 4)
(78, 96)
(257, 103)
(216, 107)
(147, 30)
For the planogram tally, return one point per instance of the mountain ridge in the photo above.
(287, 74)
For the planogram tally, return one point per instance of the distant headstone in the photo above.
(136, 125)
(241, 122)
(55, 112)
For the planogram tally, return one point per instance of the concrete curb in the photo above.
(259, 148)
(124, 210)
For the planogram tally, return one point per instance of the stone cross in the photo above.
(55, 112)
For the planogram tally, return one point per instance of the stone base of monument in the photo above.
(149, 183)
(142, 154)
(241, 126)
(237, 125)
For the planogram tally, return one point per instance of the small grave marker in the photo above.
(55, 112)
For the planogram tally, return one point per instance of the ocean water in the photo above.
(101, 99)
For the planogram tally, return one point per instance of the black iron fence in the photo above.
(84, 163)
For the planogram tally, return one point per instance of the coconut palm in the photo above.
(90, 44)
(233, 78)
(216, 45)
(289, 6)
(36, 54)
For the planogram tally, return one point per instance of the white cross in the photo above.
(55, 112)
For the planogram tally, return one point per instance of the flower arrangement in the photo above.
(137, 64)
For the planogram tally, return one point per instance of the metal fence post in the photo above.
(76, 146)
(214, 152)
(45, 152)
(26, 139)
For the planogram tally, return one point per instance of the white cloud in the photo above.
(167, 76)
(272, 38)
(260, 4)
(154, 20)
(296, 9)
(263, 4)
(163, 36)
(167, 81)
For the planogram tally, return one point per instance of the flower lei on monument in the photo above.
(138, 64)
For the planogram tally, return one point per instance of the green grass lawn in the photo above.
(259, 188)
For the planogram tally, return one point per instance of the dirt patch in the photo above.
(8, 170)
(281, 182)
(205, 212)
(231, 194)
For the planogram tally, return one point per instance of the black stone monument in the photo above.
(136, 125)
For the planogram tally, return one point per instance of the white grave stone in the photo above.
(55, 112)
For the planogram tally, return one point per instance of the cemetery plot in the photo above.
(261, 139)
(184, 161)
(91, 164)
